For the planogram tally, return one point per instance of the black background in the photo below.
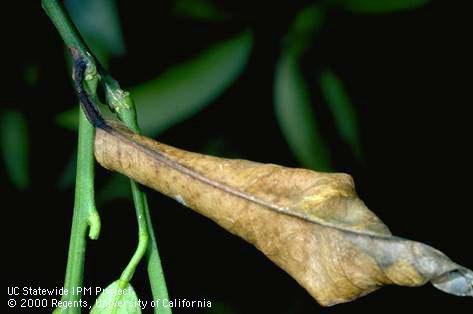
(408, 73)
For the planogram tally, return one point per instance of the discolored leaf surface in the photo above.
(311, 224)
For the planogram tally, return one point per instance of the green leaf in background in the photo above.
(14, 147)
(378, 6)
(306, 24)
(295, 115)
(184, 89)
(342, 110)
(114, 300)
(292, 99)
(199, 9)
(187, 88)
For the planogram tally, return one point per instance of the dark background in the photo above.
(408, 73)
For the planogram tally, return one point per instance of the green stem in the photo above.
(71, 36)
(155, 269)
(123, 104)
(64, 26)
(84, 187)
(143, 238)
(85, 213)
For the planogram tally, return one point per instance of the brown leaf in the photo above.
(310, 224)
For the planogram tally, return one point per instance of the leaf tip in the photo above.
(458, 282)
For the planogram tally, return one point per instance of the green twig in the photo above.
(121, 102)
(65, 27)
(85, 213)
(123, 105)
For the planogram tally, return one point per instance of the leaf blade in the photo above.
(338, 249)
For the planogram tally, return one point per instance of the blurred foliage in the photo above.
(342, 109)
(303, 30)
(292, 98)
(378, 6)
(187, 88)
(296, 116)
(199, 9)
(14, 146)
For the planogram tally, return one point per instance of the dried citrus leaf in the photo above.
(309, 223)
